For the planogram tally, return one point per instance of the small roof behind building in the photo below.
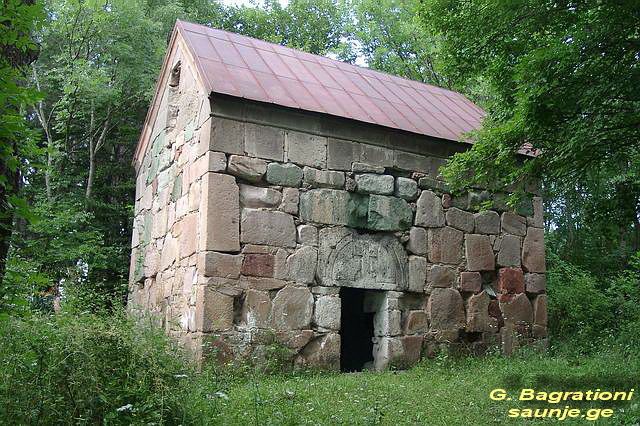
(248, 68)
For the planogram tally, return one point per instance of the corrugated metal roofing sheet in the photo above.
(241, 66)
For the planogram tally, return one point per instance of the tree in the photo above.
(18, 20)
(564, 77)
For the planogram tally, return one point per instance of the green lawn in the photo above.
(437, 392)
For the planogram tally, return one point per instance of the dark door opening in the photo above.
(356, 330)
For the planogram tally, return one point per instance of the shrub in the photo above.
(88, 368)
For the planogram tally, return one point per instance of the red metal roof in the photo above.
(245, 67)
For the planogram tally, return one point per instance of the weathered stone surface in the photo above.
(169, 252)
(227, 136)
(295, 339)
(301, 265)
(372, 154)
(417, 273)
(406, 188)
(264, 141)
(517, 309)
(256, 308)
(388, 213)
(445, 245)
(429, 212)
(261, 283)
(479, 253)
(188, 235)
(514, 224)
(509, 254)
(471, 200)
(323, 352)
(540, 310)
(478, 319)
(427, 182)
(416, 322)
(460, 219)
(374, 184)
(410, 161)
(327, 312)
(387, 353)
(349, 259)
(537, 220)
(445, 309)
(341, 153)
(287, 174)
(535, 283)
(247, 168)
(224, 265)
(358, 167)
(441, 276)
(253, 196)
(307, 235)
(268, 228)
(510, 280)
(258, 265)
(219, 213)
(323, 178)
(325, 206)
(306, 149)
(290, 200)
(292, 308)
(417, 243)
(447, 201)
(214, 310)
(208, 162)
(387, 322)
(470, 282)
(533, 251)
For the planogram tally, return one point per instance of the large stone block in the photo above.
(341, 153)
(224, 265)
(540, 310)
(417, 273)
(445, 245)
(479, 253)
(429, 211)
(535, 283)
(258, 265)
(413, 162)
(226, 136)
(417, 322)
(460, 219)
(517, 309)
(470, 282)
(306, 149)
(256, 309)
(219, 213)
(387, 322)
(487, 222)
(478, 318)
(327, 312)
(301, 265)
(323, 352)
(417, 243)
(428, 182)
(537, 220)
(326, 206)
(323, 178)
(255, 197)
(267, 228)
(290, 200)
(292, 309)
(406, 188)
(388, 213)
(264, 141)
(441, 276)
(509, 254)
(510, 280)
(307, 235)
(533, 251)
(214, 310)
(374, 184)
(514, 224)
(284, 174)
(247, 168)
(446, 309)
(372, 154)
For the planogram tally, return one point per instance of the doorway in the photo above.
(356, 330)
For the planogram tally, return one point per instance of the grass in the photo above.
(437, 392)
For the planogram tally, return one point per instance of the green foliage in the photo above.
(86, 368)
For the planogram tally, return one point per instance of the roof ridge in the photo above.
(368, 69)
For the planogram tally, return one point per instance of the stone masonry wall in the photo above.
(245, 233)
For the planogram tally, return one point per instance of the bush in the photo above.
(88, 368)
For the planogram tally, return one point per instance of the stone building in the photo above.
(286, 198)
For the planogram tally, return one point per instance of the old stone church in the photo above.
(288, 199)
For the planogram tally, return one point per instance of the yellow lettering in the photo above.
(498, 394)
(527, 394)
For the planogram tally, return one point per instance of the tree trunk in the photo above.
(6, 211)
